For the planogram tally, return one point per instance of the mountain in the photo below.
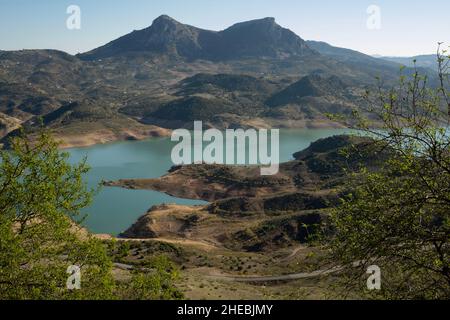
(165, 35)
(252, 74)
(423, 61)
(257, 38)
(386, 69)
(347, 55)
(371, 65)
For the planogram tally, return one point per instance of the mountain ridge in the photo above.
(254, 38)
(247, 76)
(422, 61)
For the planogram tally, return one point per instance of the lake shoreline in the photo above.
(241, 201)
(115, 208)
(105, 136)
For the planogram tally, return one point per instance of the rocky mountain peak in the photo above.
(255, 38)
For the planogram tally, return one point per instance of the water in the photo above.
(115, 209)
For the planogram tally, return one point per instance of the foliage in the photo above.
(398, 217)
(41, 195)
(155, 283)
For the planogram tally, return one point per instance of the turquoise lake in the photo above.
(115, 209)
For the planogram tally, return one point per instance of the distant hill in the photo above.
(309, 86)
(423, 61)
(380, 67)
(347, 55)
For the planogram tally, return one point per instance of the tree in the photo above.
(398, 216)
(41, 195)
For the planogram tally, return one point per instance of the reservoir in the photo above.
(115, 209)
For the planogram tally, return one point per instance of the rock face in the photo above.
(257, 38)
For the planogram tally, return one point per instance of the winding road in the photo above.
(287, 277)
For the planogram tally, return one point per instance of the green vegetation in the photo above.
(41, 196)
(154, 285)
(398, 217)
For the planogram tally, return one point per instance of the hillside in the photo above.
(422, 61)
(381, 67)
(241, 198)
(252, 74)
(257, 38)
(256, 236)
(309, 86)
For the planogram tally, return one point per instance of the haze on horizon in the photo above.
(407, 29)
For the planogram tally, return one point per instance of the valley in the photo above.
(161, 229)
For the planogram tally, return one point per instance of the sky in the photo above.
(395, 28)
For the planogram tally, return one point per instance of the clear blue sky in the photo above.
(407, 27)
